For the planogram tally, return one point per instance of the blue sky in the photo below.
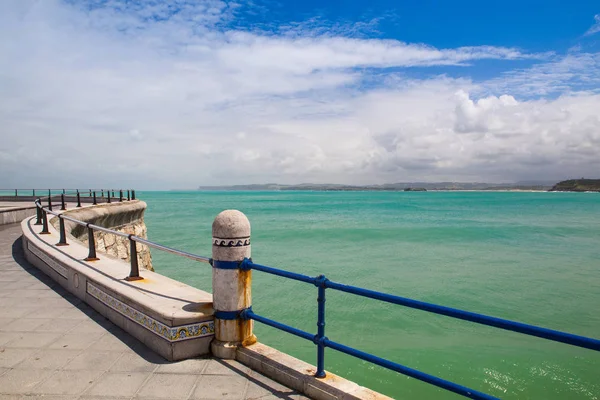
(187, 93)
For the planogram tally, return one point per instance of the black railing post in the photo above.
(63, 191)
(120, 195)
(102, 193)
(113, 193)
(63, 206)
(45, 230)
(90, 194)
(33, 192)
(16, 192)
(128, 195)
(95, 202)
(62, 241)
(78, 199)
(320, 327)
(91, 245)
(132, 194)
(108, 194)
(38, 213)
(134, 274)
(49, 200)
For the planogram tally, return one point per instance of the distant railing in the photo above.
(322, 283)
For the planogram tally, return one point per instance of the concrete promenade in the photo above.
(53, 346)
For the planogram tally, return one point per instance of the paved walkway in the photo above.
(53, 346)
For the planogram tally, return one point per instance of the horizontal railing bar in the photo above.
(282, 273)
(286, 328)
(422, 376)
(102, 229)
(171, 250)
(550, 334)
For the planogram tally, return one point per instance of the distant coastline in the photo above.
(573, 185)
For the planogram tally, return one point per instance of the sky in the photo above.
(173, 95)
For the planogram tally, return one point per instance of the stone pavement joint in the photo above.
(53, 346)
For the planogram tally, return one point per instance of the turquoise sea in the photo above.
(531, 257)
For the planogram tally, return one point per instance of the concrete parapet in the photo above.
(299, 375)
(173, 319)
(11, 215)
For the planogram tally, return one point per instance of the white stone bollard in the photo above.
(231, 286)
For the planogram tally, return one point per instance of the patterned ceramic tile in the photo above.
(172, 334)
(235, 242)
(62, 271)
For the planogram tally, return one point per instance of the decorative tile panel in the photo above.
(62, 271)
(170, 333)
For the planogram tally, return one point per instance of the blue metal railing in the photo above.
(321, 341)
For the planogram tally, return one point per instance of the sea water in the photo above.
(530, 257)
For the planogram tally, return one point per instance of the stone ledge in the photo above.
(171, 318)
(299, 375)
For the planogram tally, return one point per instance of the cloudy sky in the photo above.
(159, 96)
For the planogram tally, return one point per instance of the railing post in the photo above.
(63, 207)
(49, 200)
(113, 193)
(94, 202)
(108, 194)
(38, 213)
(91, 245)
(320, 283)
(132, 194)
(16, 193)
(62, 241)
(78, 199)
(120, 195)
(128, 196)
(102, 193)
(231, 285)
(134, 274)
(33, 192)
(63, 191)
(45, 230)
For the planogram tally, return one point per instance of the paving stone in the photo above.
(225, 367)
(168, 386)
(194, 366)
(17, 381)
(67, 382)
(133, 362)
(48, 359)
(15, 312)
(93, 360)
(59, 325)
(11, 357)
(220, 387)
(119, 384)
(26, 324)
(76, 341)
(32, 340)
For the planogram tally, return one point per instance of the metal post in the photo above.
(108, 194)
(120, 195)
(16, 192)
(38, 214)
(63, 207)
(132, 194)
(113, 193)
(62, 241)
(90, 194)
(78, 199)
(232, 292)
(45, 230)
(102, 193)
(128, 195)
(49, 200)
(95, 202)
(320, 328)
(33, 192)
(134, 274)
(91, 245)
(63, 191)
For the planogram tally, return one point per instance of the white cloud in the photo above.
(147, 95)
(594, 28)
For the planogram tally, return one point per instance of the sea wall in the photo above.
(126, 217)
(11, 215)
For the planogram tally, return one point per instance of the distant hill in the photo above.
(577, 185)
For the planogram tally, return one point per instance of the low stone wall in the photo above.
(126, 217)
(15, 214)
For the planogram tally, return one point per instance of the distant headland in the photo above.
(575, 185)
